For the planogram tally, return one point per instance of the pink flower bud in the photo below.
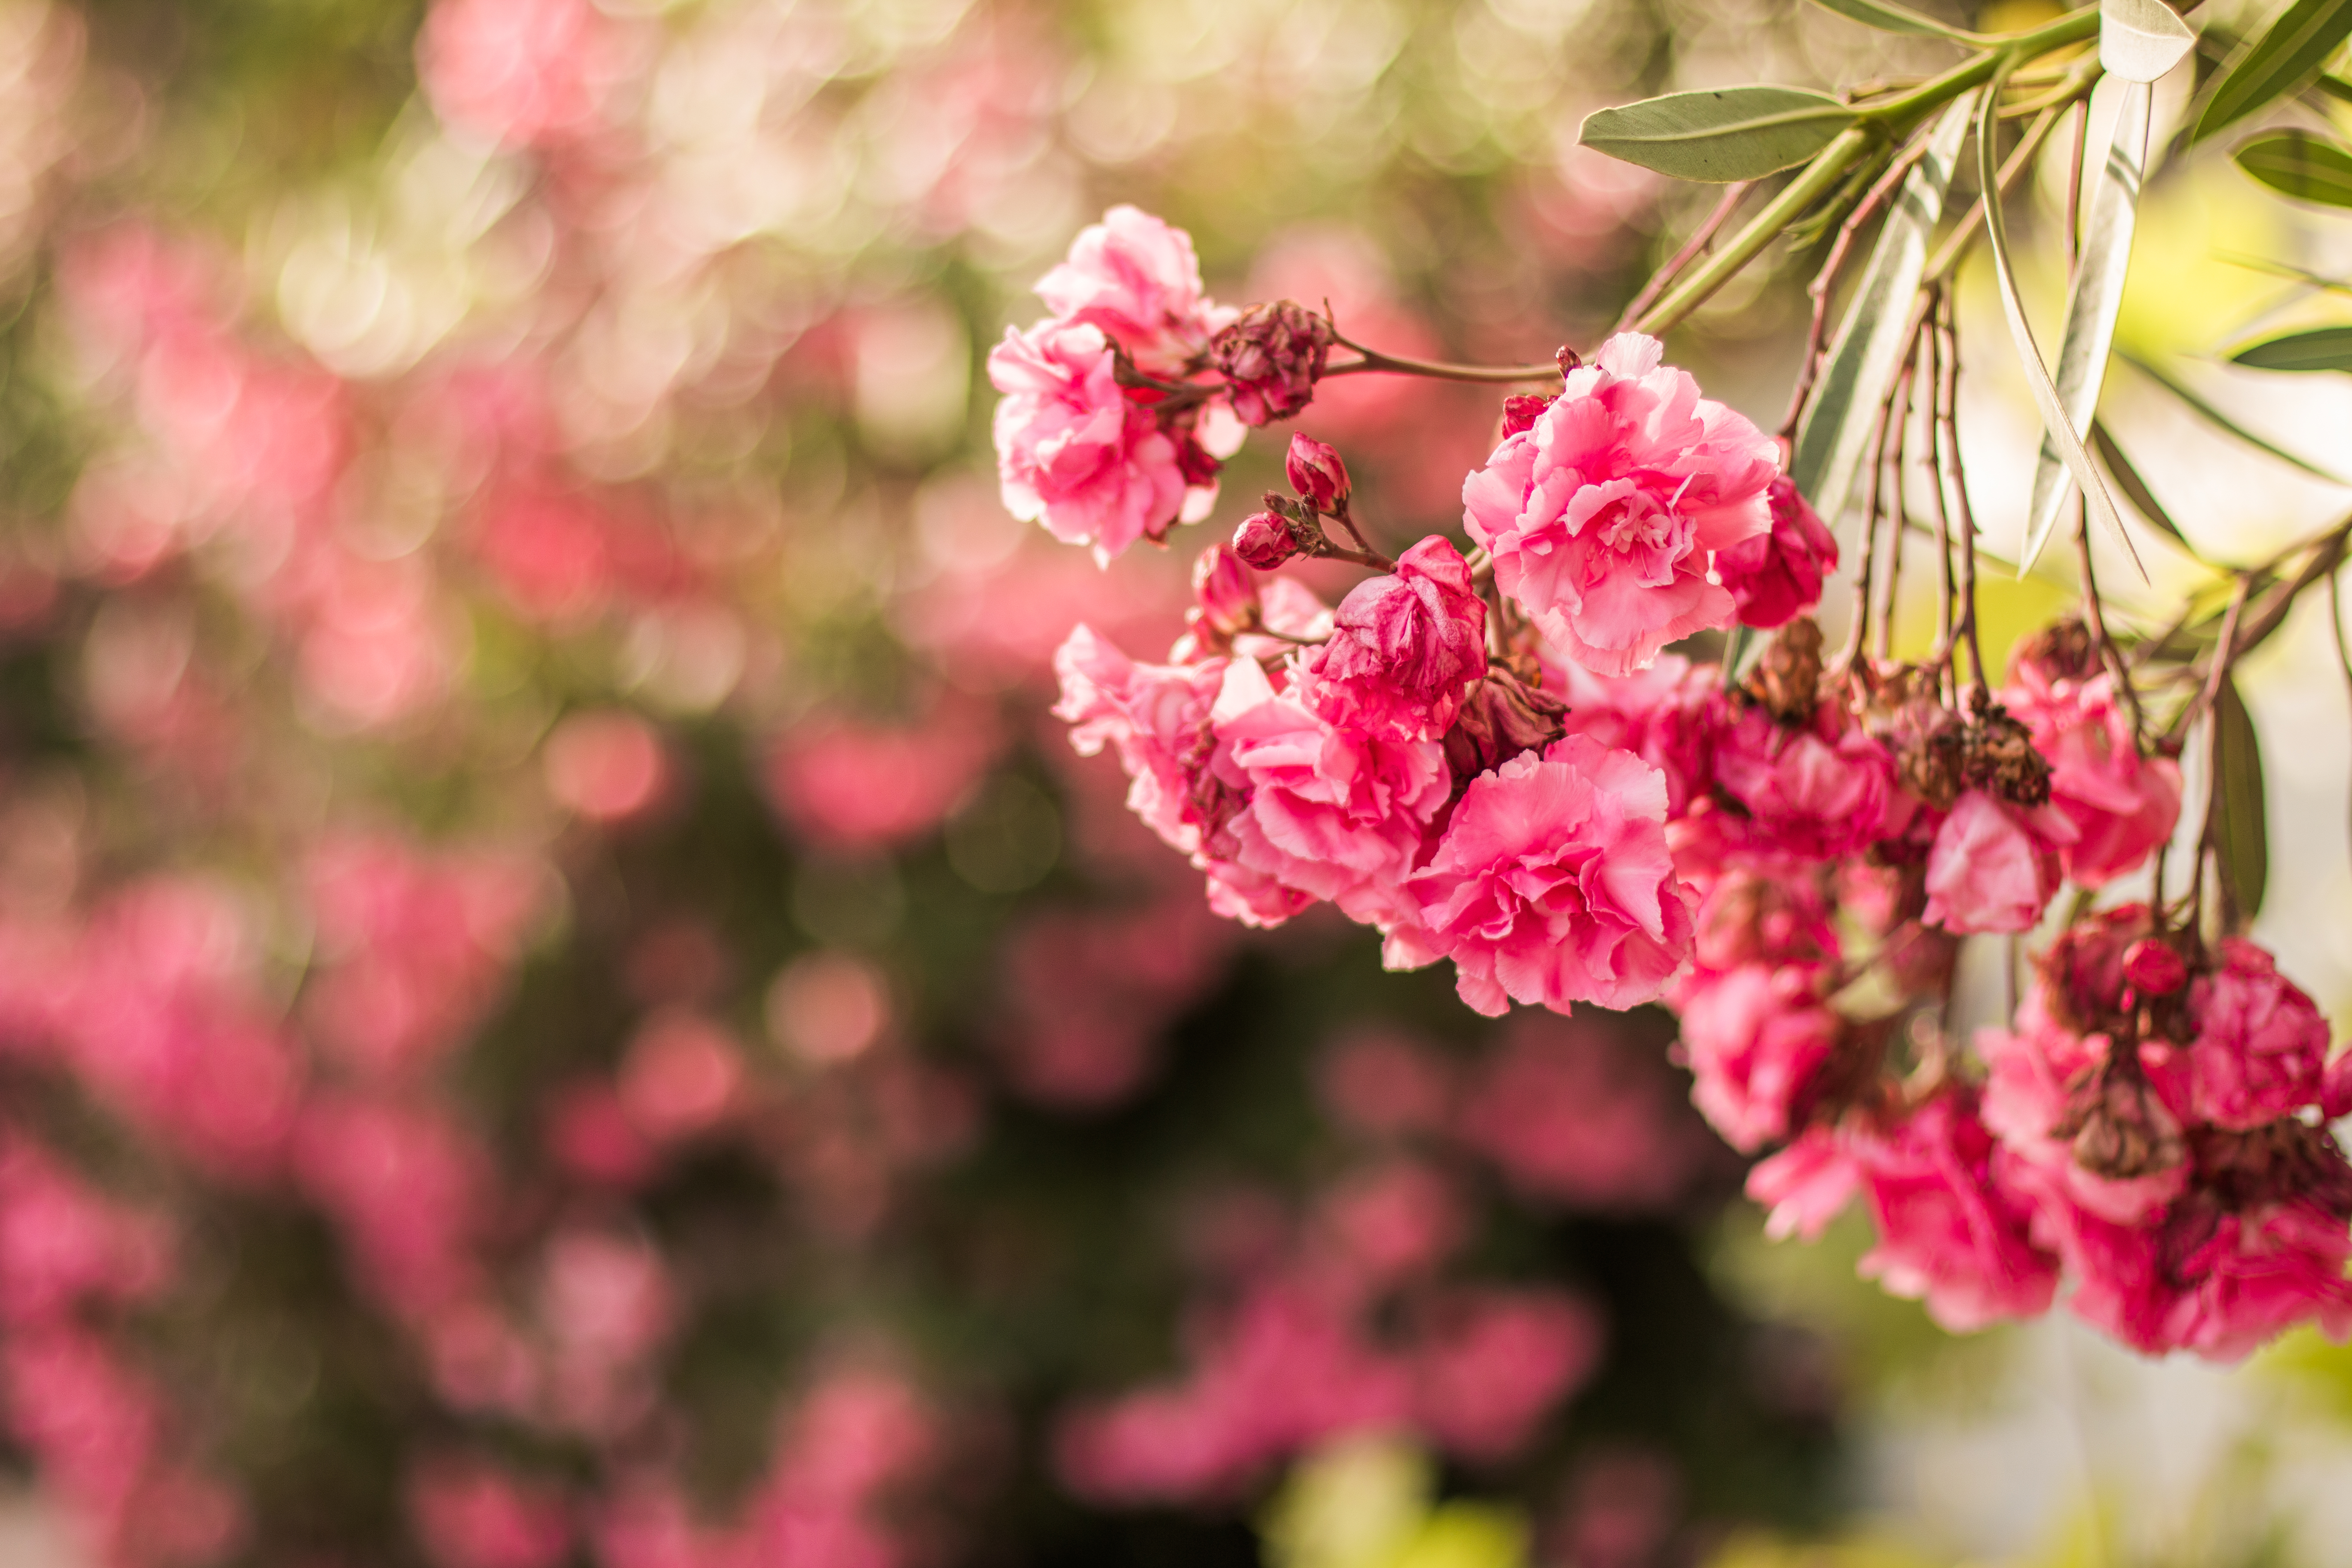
(1316, 473)
(1227, 591)
(1271, 359)
(1263, 541)
(2154, 969)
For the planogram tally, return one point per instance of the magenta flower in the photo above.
(1404, 648)
(1075, 453)
(1553, 883)
(2261, 1046)
(1992, 867)
(1158, 717)
(1753, 1038)
(1601, 514)
(1136, 278)
(2220, 1283)
(1661, 715)
(1776, 576)
(1819, 791)
(2123, 805)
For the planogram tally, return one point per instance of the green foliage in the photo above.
(2241, 817)
(1888, 17)
(2290, 52)
(2321, 347)
(1733, 134)
(2300, 164)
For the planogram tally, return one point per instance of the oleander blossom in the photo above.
(1135, 278)
(1553, 884)
(1602, 515)
(2260, 1047)
(2122, 804)
(1074, 453)
(1662, 715)
(1156, 715)
(1753, 1038)
(1774, 576)
(1993, 865)
(1404, 648)
(1820, 790)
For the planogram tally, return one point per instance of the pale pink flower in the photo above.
(1075, 453)
(2260, 1047)
(1806, 1185)
(1324, 810)
(1992, 867)
(1553, 883)
(1776, 576)
(1601, 515)
(1819, 791)
(1661, 714)
(516, 71)
(2123, 804)
(1753, 1038)
(1156, 716)
(1136, 278)
(1404, 647)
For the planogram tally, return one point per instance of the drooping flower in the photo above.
(1553, 883)
(1601, 516)
(2123, 804)
(1753, 1038)
(1820, 790)
(1134, 277)
(1774, 576)
(1992, 867)
(1404, 648)
(2260, 1050)
(1075, 453)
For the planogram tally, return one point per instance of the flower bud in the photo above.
(2153, 969)
(1263, 541)
(1226, 591)
(1315, 472)
(1271, 359)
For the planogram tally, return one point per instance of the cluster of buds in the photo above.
(1288, 526)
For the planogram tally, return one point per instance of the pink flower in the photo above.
(2218, 1283)
(1575, 1114)
(2122, 804)
(1776, 576)
(1329, 811)
(1158, 717)
(1819, 791)
(1806, 1185)
(1553, 883)
(1136, 278)
(1753, 1038)
(1950, 1232)
(2260, 1047)
(470, 1515)
(1403, 649)
(1075, 453)
(1992, 867)
(1493, 1362)
(2037, 1080)
(1601, 515)
(1660, 714)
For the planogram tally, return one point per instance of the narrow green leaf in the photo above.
(2322, 347)
(2286, 270)
(2135, 489)
(2092, 305)
(1733, 134)
(2222, 422)
(2055, 421)
(1888, 17)
(2295, 47)
(2298, 163)
(2241, 817)
(2140, 40)
(1867, 351)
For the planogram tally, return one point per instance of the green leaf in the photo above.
(2054, 422)
(2298, 163)
(2222, 422)
(1733, 134)
(1866, 353)
(2322, 347)
(2140, 40)
(1888, 17)
(2295, 47)
(2241, 817)
(2092, 304)
(2135, 487)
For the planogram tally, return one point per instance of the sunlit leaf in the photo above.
(1733, 134)
(2140, 40)
(2241, 817)
(1888, 17)
(2127, 479)
(2092, 304)
(2222, 422)
(2277, 62)
(1867, 351)
(2322, 347)
(2298, 163)
(2055, 421)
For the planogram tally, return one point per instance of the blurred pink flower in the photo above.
(2260, 1050)
(520, 72)
(609, 767)
(1774, 576)
(1753, 1037)
(850, 783)
(1570, 1114)
(1493, 1362)
(471, 1514)
(1993, 866)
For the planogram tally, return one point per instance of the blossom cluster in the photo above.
(1493, 759)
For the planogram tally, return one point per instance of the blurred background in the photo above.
(563, 1000)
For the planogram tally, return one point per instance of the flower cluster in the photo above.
(1493, 759)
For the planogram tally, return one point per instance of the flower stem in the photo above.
(1374, 360)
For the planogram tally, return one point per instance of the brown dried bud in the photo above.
(2062, 649)
(2118, 1128)
(1786, 681)
(1997, 756)
(2282, 1161)
(1271, 359)
(1502, 717)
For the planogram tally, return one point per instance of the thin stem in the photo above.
(1829, 165)
(1981, 690)
(1866, 576)
(1374, 360)
(1898, 423)
(2073, 27)
(1732, 196)
(1371, 558)
(1939, 405)
(1825, 281)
